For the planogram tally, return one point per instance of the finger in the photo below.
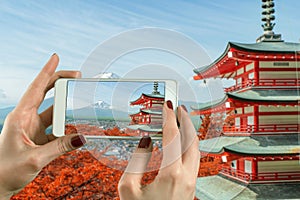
(48, 152)
(171, 138)
(189, 140)
(36, 91)
(137, 166)
(47, 115)
(62, 74)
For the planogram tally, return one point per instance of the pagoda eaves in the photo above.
(238, 54)
(254, 145)
(146, 97)
(248, 98)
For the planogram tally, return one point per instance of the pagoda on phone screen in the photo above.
(148, 120)
(260, 148)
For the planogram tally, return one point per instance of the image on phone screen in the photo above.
(114, 108)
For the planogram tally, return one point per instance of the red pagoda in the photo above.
(149, 118)
(260, 152)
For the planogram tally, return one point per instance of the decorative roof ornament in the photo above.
(155, 88)
(267, 18)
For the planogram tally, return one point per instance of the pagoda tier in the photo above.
(149, 117)
(264, 64)
(149, 100)
(220, 187)
(256, 111)
(256, 159)
(259, 146)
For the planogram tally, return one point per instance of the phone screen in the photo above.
(114, 108)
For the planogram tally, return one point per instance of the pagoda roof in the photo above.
(225, 64)
(141, 99)
(148, 111)
(265, 96)
(267, 47)
(253, 145)
(154, 112)
(210, 104)
(219, 187)
(216, 145)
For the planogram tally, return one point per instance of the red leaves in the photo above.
(78, 175)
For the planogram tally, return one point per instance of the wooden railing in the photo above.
(146, 123)
(154, 108)
(275, 176)
(238, 174)
(270, 176)
(264, 82)
(263, 128)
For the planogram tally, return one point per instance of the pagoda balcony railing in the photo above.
(146, 123)
(264, 82)
(275, 176)
(263, 128)
(156, 108)
(259, 177)
(236, 174)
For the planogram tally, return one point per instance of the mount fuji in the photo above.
(102, 105)
(98, 110)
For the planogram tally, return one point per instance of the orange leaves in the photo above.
(78, 175)
(93, 130)
(209, 166)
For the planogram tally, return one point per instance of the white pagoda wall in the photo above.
(278, 166)
(281, 117)
(278, 74)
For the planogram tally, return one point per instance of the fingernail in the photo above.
(169, 104)
(78, 141)
(145, 142)
(184, 108)
(53, 54)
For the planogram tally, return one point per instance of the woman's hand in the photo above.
(177, 176)
(24, 147)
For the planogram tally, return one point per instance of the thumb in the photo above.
(59, 146)
(136, 167)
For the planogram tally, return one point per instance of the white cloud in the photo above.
(2, 94)
(33, 30)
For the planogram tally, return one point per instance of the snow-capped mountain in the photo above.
(102, 105)
(107, 75)
(98, 110)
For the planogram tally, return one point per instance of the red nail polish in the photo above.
(145, 142)
(169, 104)
(78, 141)
(184, 108)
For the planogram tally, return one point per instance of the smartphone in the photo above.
(119, 108)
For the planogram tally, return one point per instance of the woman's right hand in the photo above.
(177, 176)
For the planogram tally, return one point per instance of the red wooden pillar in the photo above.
(256, 118)
(254, 168)
(241, 164)
(256, 73)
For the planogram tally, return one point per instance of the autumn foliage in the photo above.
(79, 175)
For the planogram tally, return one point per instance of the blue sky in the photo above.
(117, 95)
(32, 30)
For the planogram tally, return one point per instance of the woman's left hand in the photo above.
(24, 147)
